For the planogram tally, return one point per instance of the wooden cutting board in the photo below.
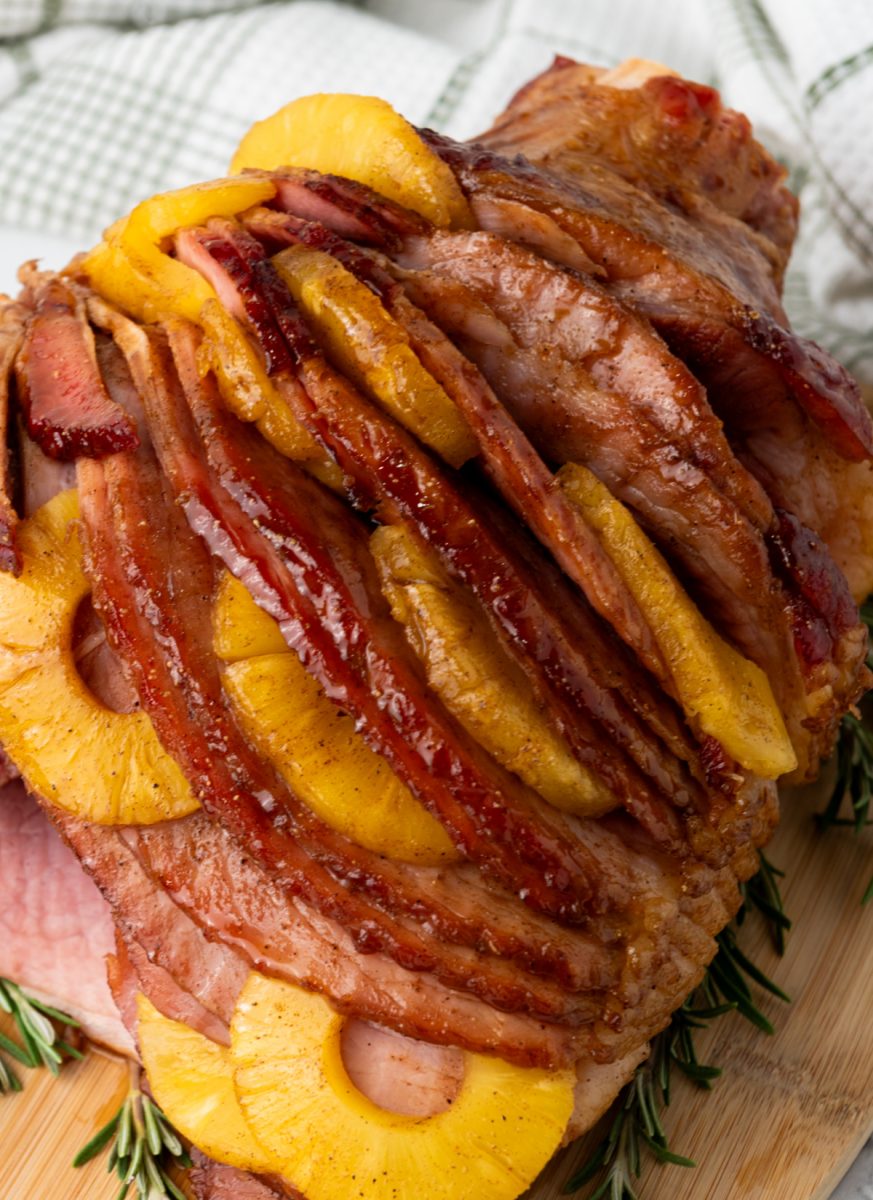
(784, 1123)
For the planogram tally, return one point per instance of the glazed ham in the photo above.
(617, 309)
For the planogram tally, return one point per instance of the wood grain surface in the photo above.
(784, 1123)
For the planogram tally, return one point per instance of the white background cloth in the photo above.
(97, 111)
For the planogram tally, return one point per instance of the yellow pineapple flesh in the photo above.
(362, 138)
(330, 1141)
(249, 393)
(191, 1079)
(369, 346)
(723, 694)
(315, 746)
(130, 268)
(475, 678)
(104, 766)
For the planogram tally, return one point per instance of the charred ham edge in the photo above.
(667, 135)
(241, 793)
(12, 321)
(137, 511)
(387, 466)
(730, 314)
(67, 410)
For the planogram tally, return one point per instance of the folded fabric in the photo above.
(104, 101)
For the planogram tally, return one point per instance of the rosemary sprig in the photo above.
(854, 781)
(762, 894)
(144, 1146)
(37, 1024)
(637, 1125)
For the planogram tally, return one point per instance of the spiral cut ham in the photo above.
(614, 319)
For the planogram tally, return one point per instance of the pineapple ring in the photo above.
(192, 1081)
(129, 267)
(373, 350)
(362, 138)
(330, 1140)
(54, 729)
(314, 746)
(475, 678)
(724, 694)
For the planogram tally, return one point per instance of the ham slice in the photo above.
(55, 928)
(67, 410)
(716, 306)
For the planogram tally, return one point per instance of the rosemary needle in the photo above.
(144, 1146)
(637, 1126)
(37, 1024)
(854, 755)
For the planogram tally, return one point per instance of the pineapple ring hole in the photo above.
(414, 1079)
(97, 664)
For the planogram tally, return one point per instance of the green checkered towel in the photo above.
(105, 101)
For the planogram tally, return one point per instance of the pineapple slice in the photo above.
(191, 1079)
(724, 694)
(332, 1142)
(249, 393)
(370, 347)
(104, 766)
(130, 269)
(315, 746)
(475, 678)
(362, 138)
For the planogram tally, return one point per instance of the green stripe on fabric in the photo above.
(464, 73)
(597, 55)
(21, 56)
(756, 25)
(51, 11)
(836, 75)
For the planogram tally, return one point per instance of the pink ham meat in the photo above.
(55, 928)
(67, 410)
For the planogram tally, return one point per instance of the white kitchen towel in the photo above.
(104, 101)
